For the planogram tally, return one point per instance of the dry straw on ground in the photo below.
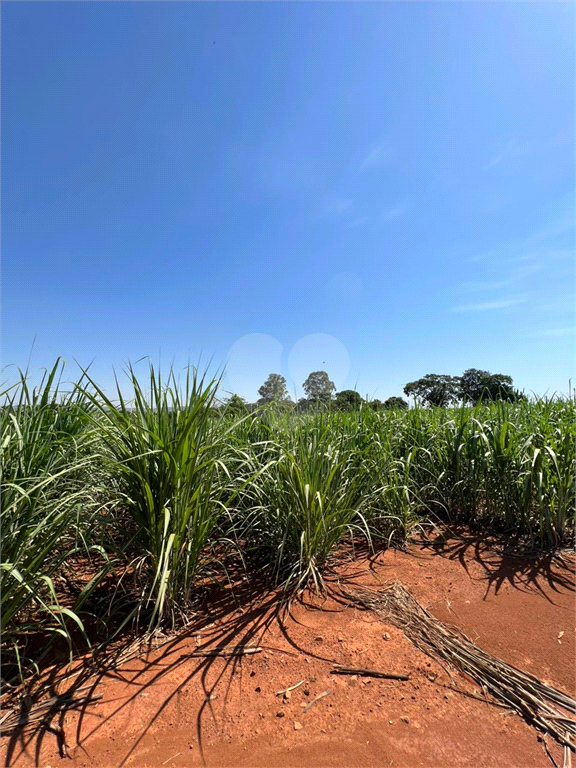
(549, 709)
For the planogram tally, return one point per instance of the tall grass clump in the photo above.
(508, 466)
(164, 449)
(303, 501)
(395, 466)
(46, 471)
(530, 462)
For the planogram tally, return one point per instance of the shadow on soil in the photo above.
(504, 562)
(239, 618)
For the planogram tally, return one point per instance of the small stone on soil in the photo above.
(280, 713)
(297, 726)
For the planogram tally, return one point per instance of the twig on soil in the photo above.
(550, 755)
(291, 688)
(60, 737)
(342, 670)
(238, 650)
(311, 703)
(20, 719)
(171, 758)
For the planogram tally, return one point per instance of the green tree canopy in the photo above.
(274, 390)
(393, 403)
(479, 385)
(434, 389)
(348, 400)
(319, 387)
(236, 404)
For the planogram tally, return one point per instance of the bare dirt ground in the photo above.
(173, 709)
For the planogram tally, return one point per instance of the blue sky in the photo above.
(382, 190)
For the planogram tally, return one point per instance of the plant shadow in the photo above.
(505, 562)
(237, 617)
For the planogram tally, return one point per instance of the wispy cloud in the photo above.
(513, 148)
(476, 258)
(485, 285)
(358, 222)
(558, 303)
(488, 306)
(279, 174)
(565, 331)
(559, 228)
(515, 269)
(376, 157)
(337, 206)
(524, 266)
(394, 213)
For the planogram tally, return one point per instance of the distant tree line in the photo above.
(320, 394)
(472, 387)
(435, 390)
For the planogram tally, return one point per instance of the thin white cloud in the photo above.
(394, 213)
(338, 206)
(517, 268)
(376, 157)
(476, 258)
(528, 266)
(512, 149)
(485, 285)
(343, 206)
(563, 226)
(559, 303)
(358, 222)
(565, 331)
(285, 175)
(487, 306)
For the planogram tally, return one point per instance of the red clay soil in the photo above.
(172, 709)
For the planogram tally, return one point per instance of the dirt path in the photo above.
(177, 710)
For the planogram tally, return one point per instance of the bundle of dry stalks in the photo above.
(44, 711)
(542, 705)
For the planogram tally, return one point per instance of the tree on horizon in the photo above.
(319, 387)
(434, 389)
(274, 390)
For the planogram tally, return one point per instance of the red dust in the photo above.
(172, 709)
